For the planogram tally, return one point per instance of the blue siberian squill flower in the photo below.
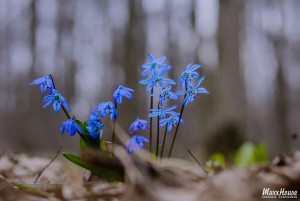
(106, 108)
(154, 64)
(44, 82)
(94, 117)
(135, 143)
(57, 99)
(165, 93)
(94, 128)
(162, 112)
(157, 79)
(193, 91)
(138, 123)
(171, 120)
(188, 74)
(71, 127)
(120, 92)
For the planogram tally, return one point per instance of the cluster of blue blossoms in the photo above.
(159, 85)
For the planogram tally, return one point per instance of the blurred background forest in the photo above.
(249, 51)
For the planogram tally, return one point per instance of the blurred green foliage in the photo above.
(246, 155)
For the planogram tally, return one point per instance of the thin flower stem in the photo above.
(176, 131)
(51, 161)
(189, 151)
(157, 136)
(163, 144)
(150, 135)
(113, 131)
(177, 127)
(66, 112)
(62, 106)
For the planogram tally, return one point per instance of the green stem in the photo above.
(164, 140)
(150, 135)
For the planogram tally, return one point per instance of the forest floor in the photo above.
(145, 180)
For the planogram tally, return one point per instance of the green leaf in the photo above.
(219, 158)
(244, 155)
(37, 187)
(249, 154)
(87, 141)
(103, 146)
(105, 173)
(83, 127)
(260, 153)
(83, 145)
(153, 155)
(159, 148)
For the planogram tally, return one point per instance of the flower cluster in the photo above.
(157, 83)
(92, 128)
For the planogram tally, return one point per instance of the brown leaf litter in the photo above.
(145, 180)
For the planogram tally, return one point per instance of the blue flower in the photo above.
(106, 108)
(154, 64)
(135, 143)
(94, 117)
(165, 93)
(171, 120)
(57, 99)
(44, 82)
(162, 112)
(138, 123)
(193, 91)
(94, 128)
(157, 79)
(71, 127)
(188, 74)
(120, 92)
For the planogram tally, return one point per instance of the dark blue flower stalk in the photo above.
(163, 95)
(190, 94)
(157, 133)
(161, 113)
(163, 144)
(151, 122)
(135, 143)
(157, 78)
(170, 121)
(71, 127)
